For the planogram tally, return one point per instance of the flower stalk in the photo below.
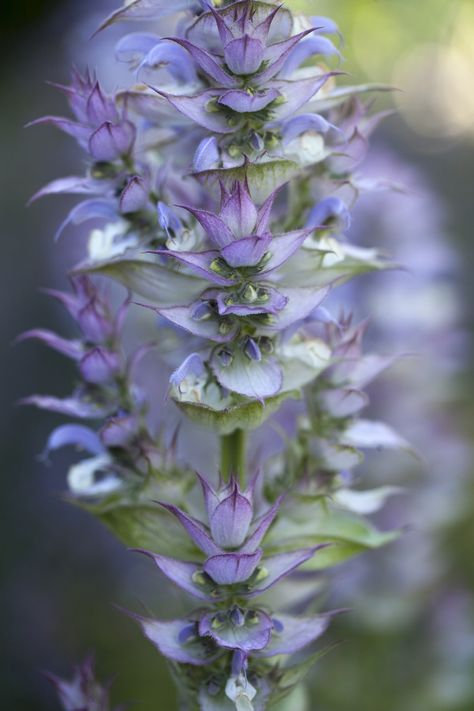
(220, 184)
(233, 456)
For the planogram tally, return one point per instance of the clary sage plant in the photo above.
(222, 182)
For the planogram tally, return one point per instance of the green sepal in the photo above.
(263, 178)
(162, 286)
(245, 416)
(138, 522)
(306, 268)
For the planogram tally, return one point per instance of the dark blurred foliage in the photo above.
(21, 16)
(61, 571)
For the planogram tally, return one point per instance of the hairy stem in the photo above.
(233, 456)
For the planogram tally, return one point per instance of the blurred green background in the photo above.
(61, 572)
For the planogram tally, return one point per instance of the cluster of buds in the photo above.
(332, 433)
(241, 100)
(123, 190)
(122, 449)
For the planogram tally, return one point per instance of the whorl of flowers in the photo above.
(221, 185)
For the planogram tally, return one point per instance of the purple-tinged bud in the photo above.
(251, 350)
(78, 94)
(119, 431)
(99, 366)
(112, 141)
(244, 55)
(231, 519)
(135, 196)
(99, 108)
(94, 323)
(238, 211)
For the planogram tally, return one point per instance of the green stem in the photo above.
(233, 456)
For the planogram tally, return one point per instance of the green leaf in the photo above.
(296, 699)
(303, 361)
(143, 524)
(309, 268)
(246, 416)
(291, 676)
(160, 285)
(309, 524)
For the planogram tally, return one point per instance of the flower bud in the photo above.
(99, 366)
(100, 108)
(135, 196)
(231, 520)
(244, 55)
(94, 323)
(112, 141)
(119, 431)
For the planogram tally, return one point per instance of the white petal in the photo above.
(81, 477)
